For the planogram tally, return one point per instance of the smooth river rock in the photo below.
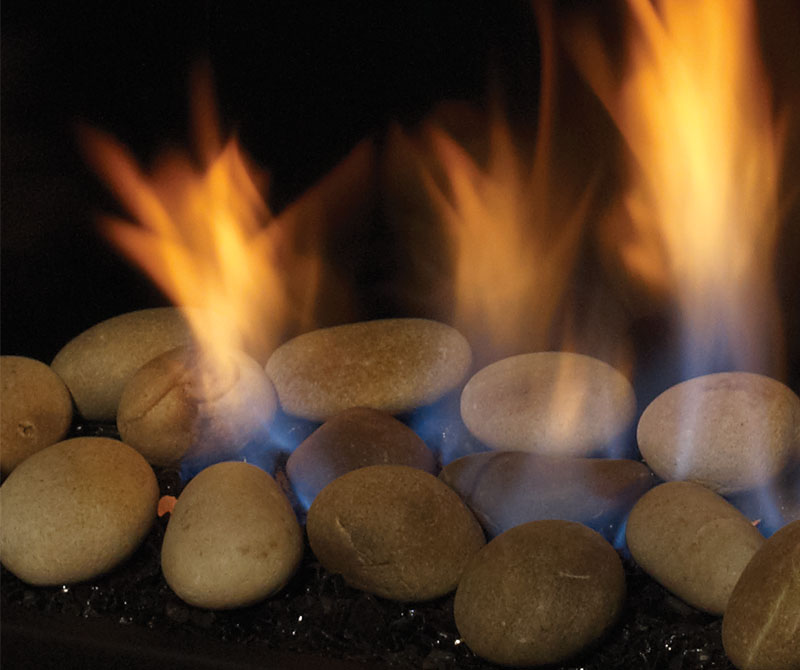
(184, 404)
(97, 364)
(35, 409)
(761, 626)
(75, 510)
(354, 438)
(394, 531)
(692, 541)
(539, 593)
(554, 403)
(508, 488)
(232, 538)
(394, 365)
(729, 431)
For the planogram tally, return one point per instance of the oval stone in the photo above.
(729, 431)
(394, 365)
(394, 531)
(692, 541)
(761, 626)
(508, 488)
(352, 439)
(184, 404)
(554, 403)
(97, 364)
(232, 538)
(35, 409)
(539, 593)
(75, 510)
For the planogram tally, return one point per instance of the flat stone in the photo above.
(35, 409)
(232, 538)
(729, 431)
(75, 510)
(539, 593)
(393, 531)
(692, 541)
(761, 626)
(554, 403)
(352, 439)
(97, 364)
(394, 365)
(508, 488)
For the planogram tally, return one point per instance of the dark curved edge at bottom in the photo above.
(44, 641)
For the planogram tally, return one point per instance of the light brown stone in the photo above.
(394, 365)
(35, 409)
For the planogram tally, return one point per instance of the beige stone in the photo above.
(35, 409)
(539, 593)
(554, 403)
(395, 365)
(75, 510)
(692, 541)
(354, 438)
(761, 626)
(394, 531)
(232, 538)
(97, 364)
(183, 403)
(729, 431)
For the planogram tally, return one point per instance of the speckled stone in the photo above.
(553, 403)
(761, 626)
(729, 431)
(539, 593)
(394, 365)
(35, 409)
(692, 541)
(505, 489)
(354, 438)
(394, 531)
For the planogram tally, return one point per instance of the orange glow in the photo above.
(699, 220)
(207, 237)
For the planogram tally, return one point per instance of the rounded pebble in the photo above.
(75, 510)
(508, 488)
(35, 409)
(729, 431)
(98, 363)
(692, 541)
(761, 626)
(354, 438)
(394, 531)
(182, 403)
(554, 403)
(394, 365)
(539, 593)
(232, 538)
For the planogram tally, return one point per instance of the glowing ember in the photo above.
(700, 213)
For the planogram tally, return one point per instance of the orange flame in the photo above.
(209, 240)
(700, 216)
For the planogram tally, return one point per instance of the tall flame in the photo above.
(207, 237)
(700, 221)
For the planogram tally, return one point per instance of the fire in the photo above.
(208, 238)
(699, 221)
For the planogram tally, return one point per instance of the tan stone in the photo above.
(232, 538)
(539, 593)
(554, 403)
(395, 365)
(394, 531)
(692, 541)
(729, 431)
(75, 510)
(35, 409)
(97, 364)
